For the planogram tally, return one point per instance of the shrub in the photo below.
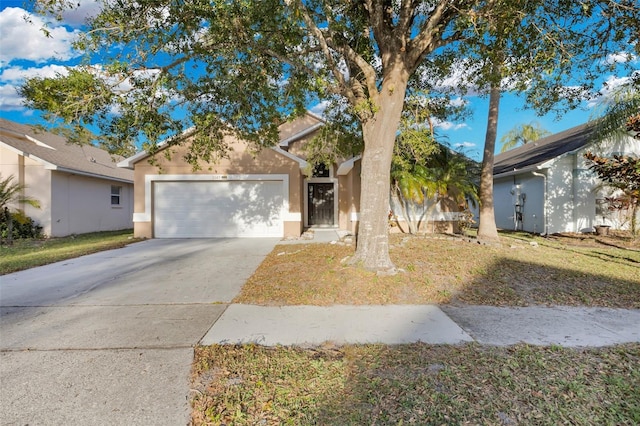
(23, 226)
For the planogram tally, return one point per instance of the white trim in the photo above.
(128, 163)
(302, 163)
(300, 135)
(145, 216)
(347, 166)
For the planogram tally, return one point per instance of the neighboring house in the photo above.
(546, 186)
(80, 188)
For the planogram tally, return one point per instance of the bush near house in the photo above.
(22, 226)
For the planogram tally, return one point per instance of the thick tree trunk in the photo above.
(379, 134)
(487, 228)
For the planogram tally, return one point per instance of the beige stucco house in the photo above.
(272, 193)
(80, 188)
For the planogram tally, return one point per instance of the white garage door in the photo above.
(204, 209)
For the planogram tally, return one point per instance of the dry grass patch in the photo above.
(450, 270)
(416, 384)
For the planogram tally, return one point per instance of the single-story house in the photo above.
(546, 186)
(271, 193)
(80, 188)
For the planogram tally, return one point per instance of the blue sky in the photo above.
(26, 52)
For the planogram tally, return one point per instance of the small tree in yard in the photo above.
(415, 144)
(623, 173)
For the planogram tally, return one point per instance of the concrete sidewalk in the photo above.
(397, 324)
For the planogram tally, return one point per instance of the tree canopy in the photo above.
(170, 71)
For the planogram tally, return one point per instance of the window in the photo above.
(115, 195)
(320, 170)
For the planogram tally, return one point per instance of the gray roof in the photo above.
(55, 153)
(529, 156)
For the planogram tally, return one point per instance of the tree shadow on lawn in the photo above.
(415, 384)
(510, 282)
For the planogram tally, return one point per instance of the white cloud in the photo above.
(9, 99)
(620, 58)
(448, 125)
(23, 38)
(609, 88)
(319, 108)
(18, 74)
(11, 78)
(78, 16)
(465, 145)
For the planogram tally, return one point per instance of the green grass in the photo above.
(416, 384)
(28, 253)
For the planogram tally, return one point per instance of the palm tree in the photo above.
(10, 194)
(618, 113)
(452, 177)
(522, 135)
(408, 186)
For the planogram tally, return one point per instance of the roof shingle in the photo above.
(50, 148)
(533, 154)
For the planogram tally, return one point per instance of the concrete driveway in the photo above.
(108, 338)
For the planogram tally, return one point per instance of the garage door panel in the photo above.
(201, 209)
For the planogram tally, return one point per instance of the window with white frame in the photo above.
(116, 192)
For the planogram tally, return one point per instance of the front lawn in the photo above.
(28, 253)
(523, 270)
(416, 384)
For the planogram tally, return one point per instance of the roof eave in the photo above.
(307, 131)
(301, 163)
(527, 169)
(47, 165)
(93, 175)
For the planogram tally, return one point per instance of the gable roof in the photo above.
(532, 155)
(289, 132)
(54, 153)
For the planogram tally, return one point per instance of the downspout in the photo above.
(544, 202)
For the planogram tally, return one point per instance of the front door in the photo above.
(321, 206)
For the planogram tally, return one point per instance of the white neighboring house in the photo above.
(80, 188)
(546, 186)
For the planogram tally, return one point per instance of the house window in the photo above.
(320, 170)
(115, 195)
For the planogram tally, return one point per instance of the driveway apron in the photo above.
(108, 338)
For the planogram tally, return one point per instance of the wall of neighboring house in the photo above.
(561, 189)
(82, 204)
(37, 180)
(571, 192)
(524, 193)
(590, 190)
(69, 204)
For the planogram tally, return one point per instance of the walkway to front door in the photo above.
(321, 205)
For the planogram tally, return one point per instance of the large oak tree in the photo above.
(170, 70)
